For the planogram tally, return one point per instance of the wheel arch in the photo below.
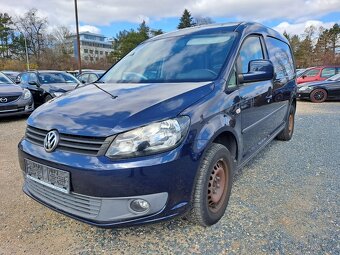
(226, 136)
(228, 139)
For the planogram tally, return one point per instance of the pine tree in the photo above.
(5, 33)
(186, 20)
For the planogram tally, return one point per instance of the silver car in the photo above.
(14, 100)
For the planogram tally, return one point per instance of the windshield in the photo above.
(47, 78)
(4, 79)
(334, 77)
(176, 59)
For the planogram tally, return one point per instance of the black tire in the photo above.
(206, 208)
(287, 133)
(318, 96)
(47, 98)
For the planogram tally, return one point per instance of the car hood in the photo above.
(59, 87)
(90, 111)
(10, 90)
(315, 83)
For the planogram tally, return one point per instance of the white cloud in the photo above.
(88, 28)
(299, 28)
(104, 12)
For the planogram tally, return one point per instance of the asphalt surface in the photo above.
(285, 201)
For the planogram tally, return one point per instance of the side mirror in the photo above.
(304, 76)
(34, 83)
(17, 81)
(83, 82)
(258, 70)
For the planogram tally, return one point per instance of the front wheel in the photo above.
(318, 96)
(213, 186)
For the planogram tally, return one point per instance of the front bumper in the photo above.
(165, 181)
(303, 95)
(16, 108)
(95, 209)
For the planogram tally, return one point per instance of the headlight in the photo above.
(57, 94)
(26, 94)
(154, 138)
(304, 88)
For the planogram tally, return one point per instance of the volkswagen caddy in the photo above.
(162, 133)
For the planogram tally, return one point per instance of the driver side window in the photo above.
(83, 78)
(24, 78)
(33, 78)
(311, 73)
(251, 50)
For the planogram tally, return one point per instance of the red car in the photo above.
(319, 73)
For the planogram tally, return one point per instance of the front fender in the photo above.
(213, 128)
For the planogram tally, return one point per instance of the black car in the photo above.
(11, 74)
(14, 100)
(45, 85)
(90, 76)
(320, 91)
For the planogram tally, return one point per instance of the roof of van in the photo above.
(224, 27)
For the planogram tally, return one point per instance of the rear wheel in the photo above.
(287, 133)
(213, 186)
(318, 96)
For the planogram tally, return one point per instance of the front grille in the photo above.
(11, 108)
(80, 205)
(8, 99)
(70, 143)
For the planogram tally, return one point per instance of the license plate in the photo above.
(54, 178)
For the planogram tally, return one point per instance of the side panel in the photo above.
(333, 90)
(256, 110)
(284, 82)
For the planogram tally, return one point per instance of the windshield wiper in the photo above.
(112, 96)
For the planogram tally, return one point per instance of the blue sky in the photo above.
(110, 16)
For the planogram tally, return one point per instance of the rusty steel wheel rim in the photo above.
(290, 123)
(217, 187)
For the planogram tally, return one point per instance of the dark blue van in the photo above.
(164, 130)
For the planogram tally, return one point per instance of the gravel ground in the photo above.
(286, 201)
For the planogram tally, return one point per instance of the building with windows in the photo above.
(93, 47)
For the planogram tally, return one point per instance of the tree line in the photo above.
(316, 46)
(45, 49)
(52, 49)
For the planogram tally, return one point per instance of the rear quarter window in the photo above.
(280, 54)
(328, 72)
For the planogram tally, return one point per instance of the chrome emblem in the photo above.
(3, 100)
(51, 141)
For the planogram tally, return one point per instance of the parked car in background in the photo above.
(320, 73)
(14, 100)
(74, 73)
(163, 131)
(320, 91)
(90, 76)
(45, 85)
(11, 74)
